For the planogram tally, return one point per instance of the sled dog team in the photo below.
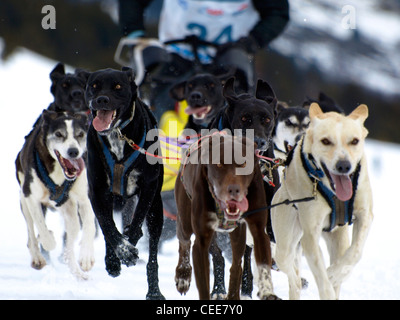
(86, 158)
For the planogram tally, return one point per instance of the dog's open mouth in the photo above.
(198, 112)
(72, 168)
(342, 184)
(233, 209)
(103, 119)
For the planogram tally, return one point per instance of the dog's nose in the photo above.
(73, 152)
(195, 95)
(102, 100)
(233, 190)
(261, 143)
(343, 166)
(76, 93)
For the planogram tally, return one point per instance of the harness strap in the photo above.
(118, 169)
(127, 121)
(342, 211)
(285, 202)
(220, 125)
(59, 194)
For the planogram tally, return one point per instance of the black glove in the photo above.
(248, 44)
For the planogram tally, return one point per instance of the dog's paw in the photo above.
(183, 275)
(47, 240)
(155, 295)
(86, 263)
(218, 296)
(113, 265)
(269, 297)
(127, 253)
(38, 262)
(182, 285)
(79, 275)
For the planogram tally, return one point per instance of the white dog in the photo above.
(328, 163)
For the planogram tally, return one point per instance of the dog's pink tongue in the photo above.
(198, 111)
(343, 186)
(102, 120)
(75, 165)
(242, 205)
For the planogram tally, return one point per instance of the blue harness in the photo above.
(59, 194)
(120, 170)
(342, 211)
(220, 126)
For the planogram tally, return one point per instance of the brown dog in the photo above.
(218, 185)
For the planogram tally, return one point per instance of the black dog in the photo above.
(326, 103)
(121, 178)
(244, 111)
(68, 90)
(203, 94)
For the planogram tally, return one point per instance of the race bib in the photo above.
(217, 21)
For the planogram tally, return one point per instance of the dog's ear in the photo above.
(57, 72)
(131, 77)
(280, 105)
(360, 113)
(326, 99)
(229, 91)
(265, 92)
(82, 117)
(83, 74)
(49, 116)
(224, 77)
(315, 110)
(177, 92)
(55, 75)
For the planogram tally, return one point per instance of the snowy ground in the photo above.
(25, 84)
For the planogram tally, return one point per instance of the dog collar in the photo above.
(59, 194)
(126, 122)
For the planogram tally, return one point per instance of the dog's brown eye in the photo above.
(94, 86)
(354, 142)
(118, 87)
(326, 142)
(58, 134)
(246, 119)
(267, 120)
(80, 135)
